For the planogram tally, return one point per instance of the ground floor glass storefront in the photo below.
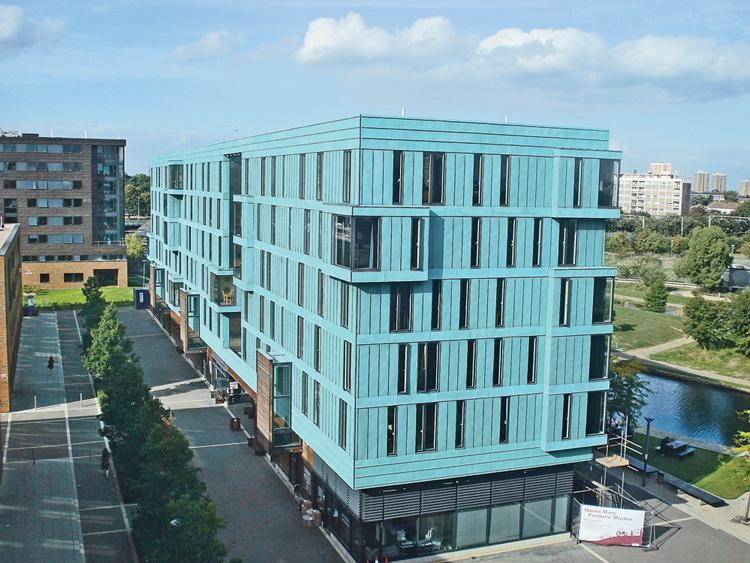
(425, 534)
(403, 538)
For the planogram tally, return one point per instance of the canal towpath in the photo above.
(673, 370)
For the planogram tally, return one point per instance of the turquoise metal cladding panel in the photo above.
(541, 186)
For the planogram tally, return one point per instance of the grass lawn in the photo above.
(70, 298)
(704, 468)
(638, 290)
(636, 328)
(725, 362)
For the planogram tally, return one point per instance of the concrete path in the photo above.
(55, 503)
(263, 523)
(663, 347)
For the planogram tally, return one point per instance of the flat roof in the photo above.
(35, 138)
(6, 235)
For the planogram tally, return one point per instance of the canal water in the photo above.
(701, 412)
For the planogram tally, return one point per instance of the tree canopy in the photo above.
(707, 256)
(137, 194)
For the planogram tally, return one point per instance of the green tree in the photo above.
(745, 248)
(137, 194)
(627, 393)
(706, 258)
(740, 321)
(651, 241)
(656, 296)
(708, 322)
(743, 209)
(107, 340)
(93, 307)
(135, 247)
(617, 242)
(731, 196)
(190, 533)
(648, 269)
(679, 244)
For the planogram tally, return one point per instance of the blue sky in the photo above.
(670, 80)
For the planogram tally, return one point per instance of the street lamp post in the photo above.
(649, 420)
(143, 277)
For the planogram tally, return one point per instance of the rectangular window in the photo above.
(429, 366)
(497, 363)
(500, 302)
(345, 304)
(460, 423)
(437, 303)
(272, 320)
(510, 250)
(426, 427)
(263, 176)
(398, 177)
(347, 367)
(476, 191)
(578, 183)
(471, 364)
(316, 359)
(464, 304)
(321, 286)
(599, 359)
(319, 177)
(603, 295)
(595, 412)
(300, 336)
(74, 277)
(347, 191)
(564, 319)
(273, 224)
(433, 178)
(273, 176)
(566, 407)
(416, 244)
(316, 403)
(301, 284)
(43, 278)
(306, 241)
(342, 423)
(302, 176)
(403, 368)
(366, 239)
(536, 259)
(609, 178)
(504, 181)
(261, 313)
(391, 431)
(401, 297)
(566, 255)
(504, 411)
(532, 360)
(305, 391)
(476, 230)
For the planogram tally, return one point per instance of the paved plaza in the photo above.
(55, 503)
(263, 523)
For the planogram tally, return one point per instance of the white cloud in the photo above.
(350, 40)
(17, 31)
(543, 50)
(566, 60)
(209, 46)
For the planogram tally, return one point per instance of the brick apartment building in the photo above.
(67, 196)
(10, 315)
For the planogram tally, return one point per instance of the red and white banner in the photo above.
(611, 526)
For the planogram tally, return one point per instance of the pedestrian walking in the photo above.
(105, 461)
(51, 363)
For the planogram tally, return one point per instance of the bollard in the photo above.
(80, 399)
(34, 402)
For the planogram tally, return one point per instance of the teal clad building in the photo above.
(416, 311)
